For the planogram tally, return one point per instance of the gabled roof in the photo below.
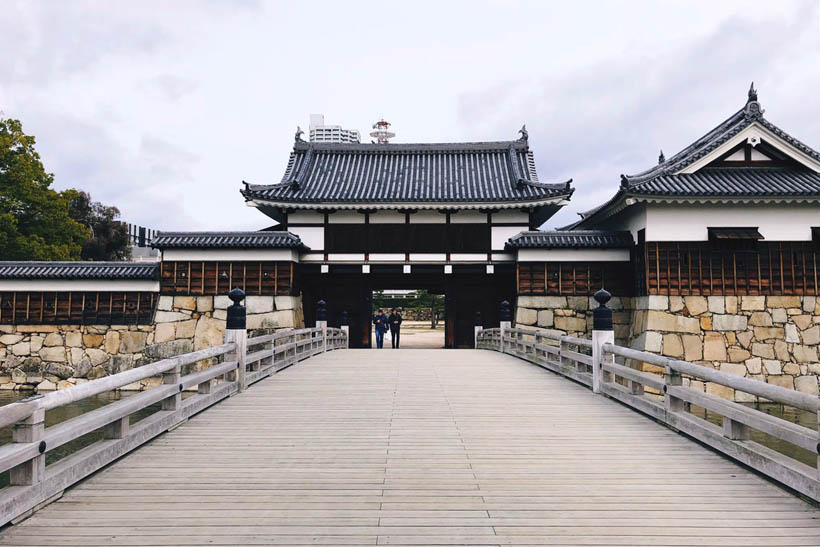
(475, 172)
(227, 240)
(600, 239)
(693, 173)
(79, 270)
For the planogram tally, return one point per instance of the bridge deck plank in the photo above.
(421, 447)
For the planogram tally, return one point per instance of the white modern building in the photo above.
(319, 132)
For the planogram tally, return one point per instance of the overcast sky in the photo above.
(163, 108)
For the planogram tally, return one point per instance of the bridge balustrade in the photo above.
(616, 372)
(206, 377)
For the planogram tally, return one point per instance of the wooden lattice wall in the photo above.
(573, 278)
(76, 307)
(702, 268)
(218, 278)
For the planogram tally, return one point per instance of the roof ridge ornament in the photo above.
(661, 157)
(298, 136)
(525, 136)
(752, 111)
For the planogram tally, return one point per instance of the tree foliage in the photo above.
(34, 219)
(109, 237)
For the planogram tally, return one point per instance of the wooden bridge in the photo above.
(401, 447)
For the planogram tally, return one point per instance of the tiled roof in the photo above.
(665, 179)
(727, 181)
(227, 240)
(409, 173)
(79, 270)
(601, 239)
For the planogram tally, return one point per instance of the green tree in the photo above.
(109, 237)
(34, 219)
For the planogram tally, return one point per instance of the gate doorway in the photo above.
(346, 289)
(422, 314)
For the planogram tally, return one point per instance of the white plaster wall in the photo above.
(306, 216)
(468, 217)
(584, 255)
(232, 254)
(500, 234)
(345, 217)
(632, 218)
(512, 215)
(312, 236)
(428, 217)
(105, 285)
(386, 217)
(690, 222)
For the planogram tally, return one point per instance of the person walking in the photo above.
(395, 326)
(380, 322)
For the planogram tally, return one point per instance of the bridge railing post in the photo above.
(236, 332)
(505, 323)
(478, 325)
(602, 333)
(321, 322)
(30, 430)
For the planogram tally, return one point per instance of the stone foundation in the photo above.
(47, 357)
(774, 339)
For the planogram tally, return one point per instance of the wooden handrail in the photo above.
(732, 439)
(33, 483)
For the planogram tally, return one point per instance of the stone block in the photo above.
(165, 303)
(743, 397)
(164, 332)
(82, 368)
(754, 365)
(692, 347)
(760, 319)
(578, 303)
(525, 316)
(745, 338)
(772, 367)
(54, 339)
(165, 350)
(221, 302)
(97, 356)
(545, 318)
(170, 316)
(720, 390)
(676, 304)
(10, 339)
(93, 340)
(696, 304)
(96, 372)
(133, 341)
(791, 334)
(736, 355)
(807, 384)
(37, 328)
(21, 349)
(184, 303)
(76, 355)
(804, 354)
(781, 350)
(285, 319)
(36, 342)
(209, 332)
(667, 322)
(54, 354)
(717, 304)
(763, 350)
(259, 304)
(74, 339)
(46, 385)
(791, 368)
(187, 329)
(768, 333)
(112, 342)
(802, 322)
(648, 341)
(657, 302)
(737, 369)
(59, 370)
(120, 363)
(779, 315)
(809, 303)
(217, 314)
(783, 301)
(752, 303)
(672, 346)
(729, 322)
(714, 347)
(706, 323)
(570, 324)
(731, 304)
(204, 303)
(782, 381)
(292, 302)
(811, 336)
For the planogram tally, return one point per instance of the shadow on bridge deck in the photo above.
(412, 447)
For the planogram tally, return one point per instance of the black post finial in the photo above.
(602, 315)
(504, 313)
(661, 158)
(478, 321)
(321, 310)
(344, 321)
(236, 311)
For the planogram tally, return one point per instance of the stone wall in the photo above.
(572, 315)
(48, 357)
(773, 339)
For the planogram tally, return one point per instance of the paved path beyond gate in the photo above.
(421, 447)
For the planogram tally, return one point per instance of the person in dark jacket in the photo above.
(380, 322)
(394, 320)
